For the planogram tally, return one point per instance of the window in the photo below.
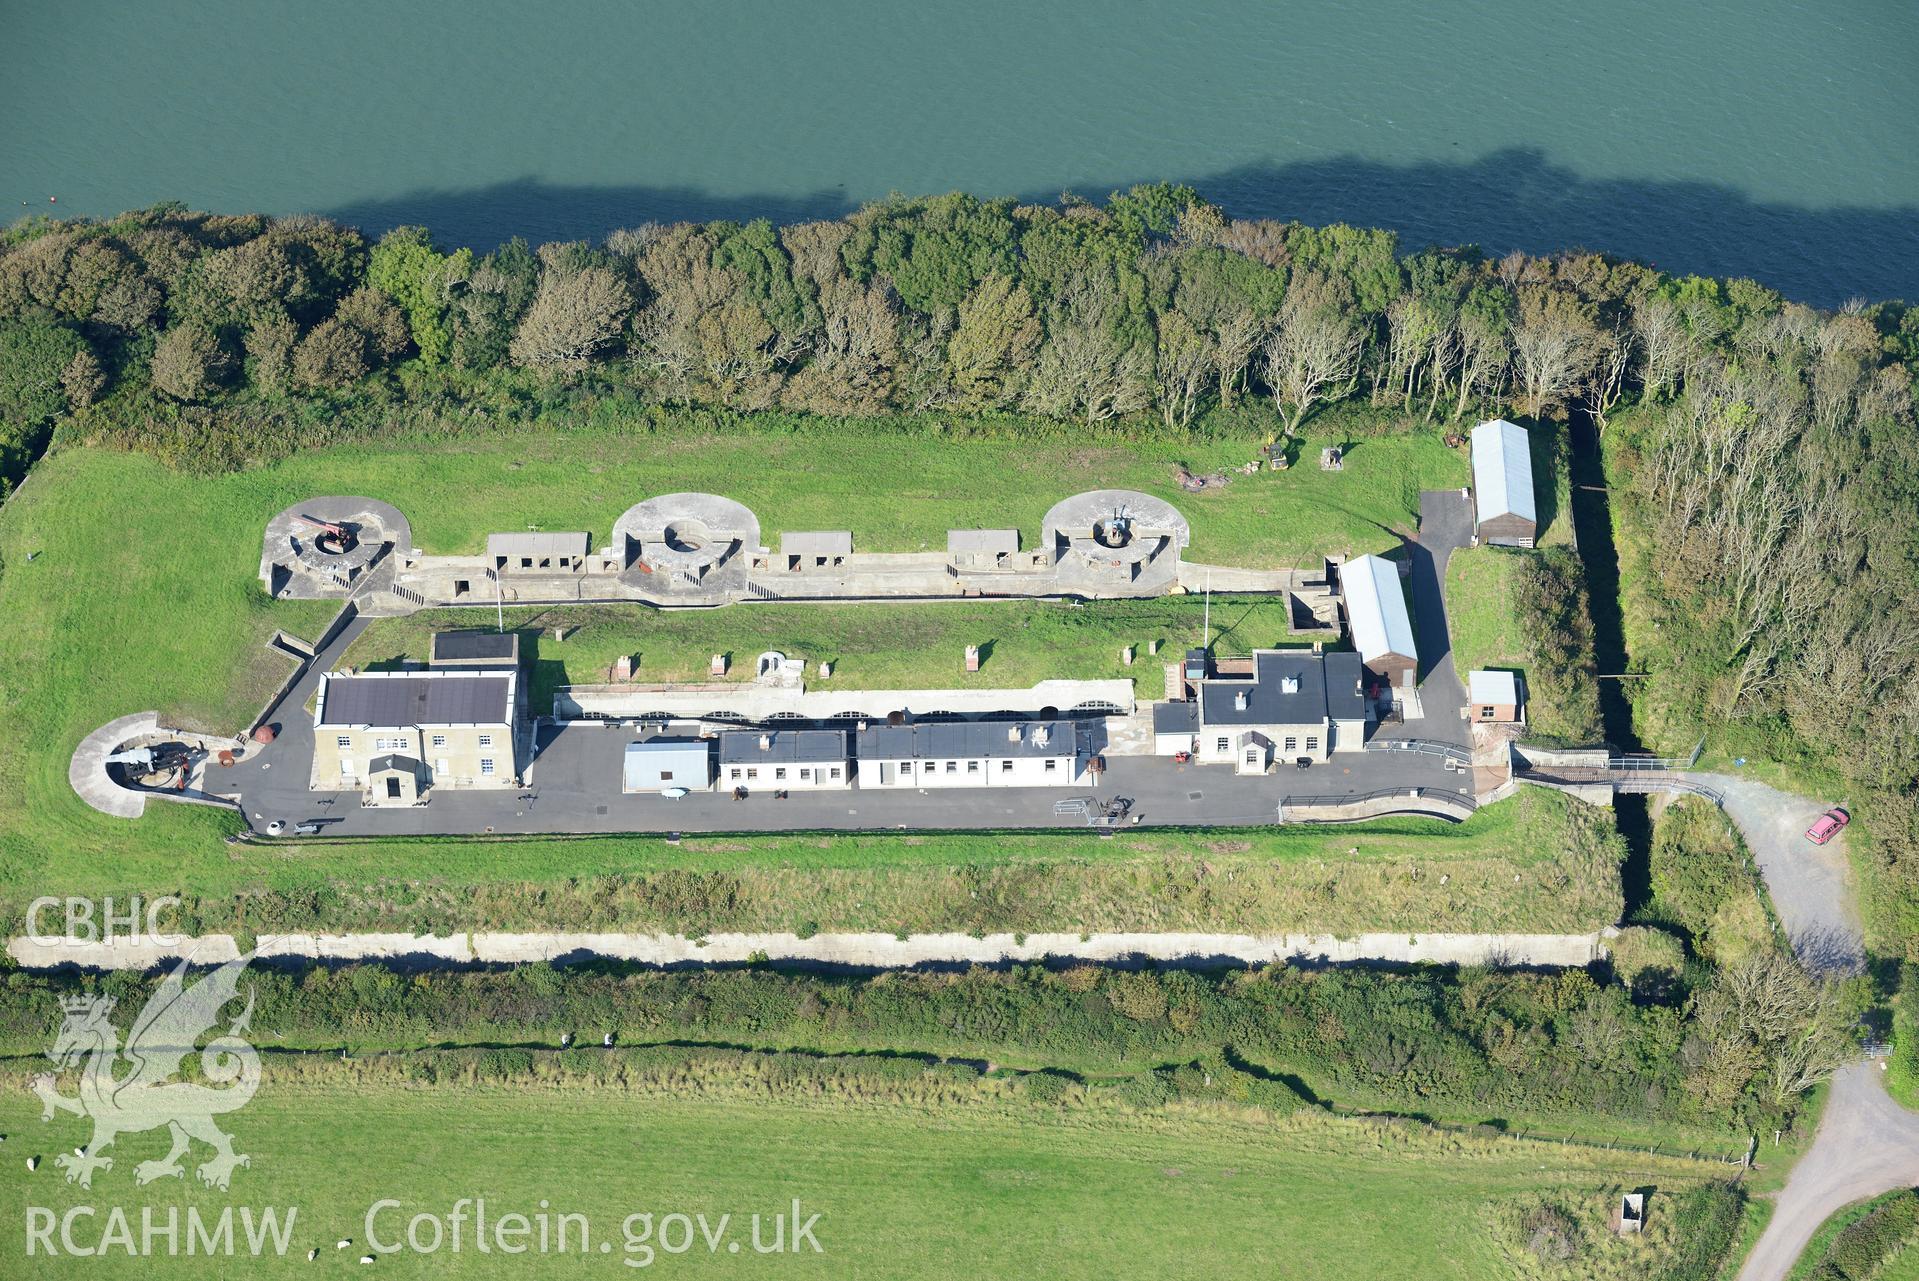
(461, 586)
(486, 740)
(836, 771)
(1005, 767)
(805, 774)
(752, 772)
(1312, 742)
(1051, 765)
(345, 744)
(486, 767)
(526, 562)
(439, 740)
(1291, 743)
(779, 772)
(1485, 713)
(389, 744)
(906, 767)
(666, 776)
(952, 767)
(734, 772)
(546, 562)
(972, 767)
(1252, 756)
(1222, 745)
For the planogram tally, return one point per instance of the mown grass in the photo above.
(125, 586)
(902, 646)
(936, 1190)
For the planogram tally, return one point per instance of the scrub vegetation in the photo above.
(1509, 1049)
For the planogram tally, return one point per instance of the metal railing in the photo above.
(1427, 798)
(1424, 746)
(1638, 786)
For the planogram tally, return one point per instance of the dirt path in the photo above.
(1811, 885)
(1866, 1143)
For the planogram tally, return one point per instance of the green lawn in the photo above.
(903, 646)
(933, 1190)
(1486, 632)
(125, 586)
(1479, 608)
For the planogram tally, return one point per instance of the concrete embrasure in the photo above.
(288, 542)
(87, 771)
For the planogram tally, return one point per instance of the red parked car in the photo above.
(1827, 825)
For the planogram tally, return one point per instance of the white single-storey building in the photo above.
(1504, 511)
(1493, 697)
(969, 754)
(790, 759)
(1382, 629)
(658, 764)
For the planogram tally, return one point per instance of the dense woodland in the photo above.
(1762, 454)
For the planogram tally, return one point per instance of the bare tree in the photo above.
(1087, 369)
(1235, 340)
(1662, 339)
(1483, 357)
(1608, 381)
(1316, 345)
(573, 318)
(1412, 324)
(1183, 366)
(1554, 345)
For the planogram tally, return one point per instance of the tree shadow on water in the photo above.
(1516, 198)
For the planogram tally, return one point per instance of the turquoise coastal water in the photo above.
(1765, 137)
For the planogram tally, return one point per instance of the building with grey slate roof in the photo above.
(475, 648)
(459, 723)
(969, 754)
(785, 759)
(1283, 705)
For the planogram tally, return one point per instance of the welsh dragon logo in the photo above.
(142, 1096)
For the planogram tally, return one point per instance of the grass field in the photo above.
(126, 587)
(903, 646)
(941, 1190)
